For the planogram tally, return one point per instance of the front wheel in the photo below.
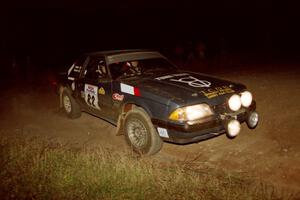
(140, 133)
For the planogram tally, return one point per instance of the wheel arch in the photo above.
(61, 88)
(125, 108)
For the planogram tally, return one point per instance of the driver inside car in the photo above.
(131, 68)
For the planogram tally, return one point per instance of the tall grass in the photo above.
(35, 168)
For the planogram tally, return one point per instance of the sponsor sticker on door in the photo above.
(118, 97)
(91, 95)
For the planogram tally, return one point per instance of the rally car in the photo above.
(150, 100)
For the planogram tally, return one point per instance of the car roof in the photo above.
(114, 56)
(113, 52)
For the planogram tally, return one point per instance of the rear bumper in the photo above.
(213, 126)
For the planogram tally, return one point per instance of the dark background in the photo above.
(49, 35)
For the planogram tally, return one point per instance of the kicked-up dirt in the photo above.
(270, 152)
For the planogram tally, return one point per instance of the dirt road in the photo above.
(271, 152)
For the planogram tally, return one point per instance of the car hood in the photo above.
(185, 87)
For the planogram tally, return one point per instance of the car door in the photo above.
(95, 88)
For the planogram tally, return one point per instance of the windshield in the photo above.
(133, 68)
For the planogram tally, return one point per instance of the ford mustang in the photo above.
(150, 100)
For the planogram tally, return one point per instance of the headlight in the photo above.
(246, 98)
(234, 102)
(191, 113)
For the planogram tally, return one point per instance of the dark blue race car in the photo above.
(150, 100)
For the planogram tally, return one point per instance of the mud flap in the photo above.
(120, 125)
(61, 89)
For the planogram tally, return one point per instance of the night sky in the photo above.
(55, 32)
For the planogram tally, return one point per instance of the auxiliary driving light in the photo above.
(233, 128)
(246, 98)
(252, 120)
(234, 102)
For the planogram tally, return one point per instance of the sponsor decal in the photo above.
(163, 132)
(192, 81)
(101, 91)
(217, 91)
(185, 78)
(171, 76)
(130, 89)
(91, 95)
(118, 97)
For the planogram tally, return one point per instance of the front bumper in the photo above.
(212, 126)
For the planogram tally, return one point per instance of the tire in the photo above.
(70, 106)
(140, 133)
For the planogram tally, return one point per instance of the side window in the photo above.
(96, 68)
(76, 67)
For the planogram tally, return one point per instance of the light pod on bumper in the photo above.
(233, 128)
(246, 98)
(252, 120)
(234, 102)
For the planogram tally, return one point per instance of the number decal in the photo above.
(91, 95)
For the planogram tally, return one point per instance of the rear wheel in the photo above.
(71, 107)
(140, 133)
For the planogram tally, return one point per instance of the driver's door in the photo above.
(95, 88)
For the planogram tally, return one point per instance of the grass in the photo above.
(35, 168)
